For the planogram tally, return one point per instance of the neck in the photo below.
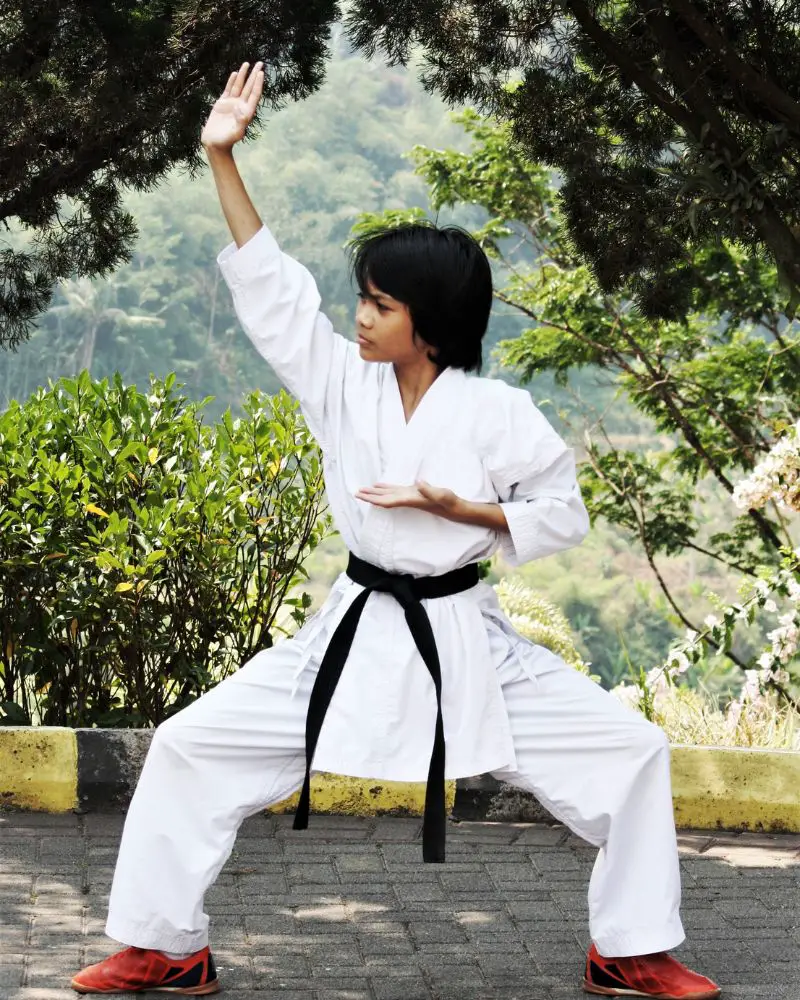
(414, 380)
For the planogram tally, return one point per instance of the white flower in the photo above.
(776, 477)
(656, 680)
(733, 714)
(763, 588)
(680, 659)
(691, 636)
(770, 606)
(752, 685)
(766, 660)
(711, 621)
(627, 694)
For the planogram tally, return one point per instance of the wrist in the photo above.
(461, 510)
(484, 515)
(217, 154)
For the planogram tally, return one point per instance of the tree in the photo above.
(100, 97)
(316, 164)
(671, 122)
(713, 389)
(87, 305)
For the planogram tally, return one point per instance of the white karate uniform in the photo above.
(509, 707)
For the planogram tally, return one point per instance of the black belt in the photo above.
(409, 592)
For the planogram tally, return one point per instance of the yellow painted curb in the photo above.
(713, 788)
(39, 768)
(334, 793)
(736, 788)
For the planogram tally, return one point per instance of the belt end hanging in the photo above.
(303, 806)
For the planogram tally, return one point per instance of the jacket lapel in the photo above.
(412, 441)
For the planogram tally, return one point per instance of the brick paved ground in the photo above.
(347, 910)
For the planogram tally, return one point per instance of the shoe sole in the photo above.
(612, 991)
(192, 991)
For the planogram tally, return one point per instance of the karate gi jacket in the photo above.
(479, 437)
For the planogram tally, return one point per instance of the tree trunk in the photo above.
(87, 348)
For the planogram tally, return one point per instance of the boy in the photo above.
(428, 470)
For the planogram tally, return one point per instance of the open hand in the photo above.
(421, 496)
(234, 111)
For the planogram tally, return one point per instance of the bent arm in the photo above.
(534, 474)
(544, 512)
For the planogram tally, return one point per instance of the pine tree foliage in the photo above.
(100, 96)
(671, 122)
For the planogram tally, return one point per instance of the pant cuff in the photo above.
(144, 935)
(642, 941)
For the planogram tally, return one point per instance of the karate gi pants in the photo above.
(598, 766)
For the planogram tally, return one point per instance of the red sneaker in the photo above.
(136, 969)
(659, 976)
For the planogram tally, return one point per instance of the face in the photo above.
(385, 330)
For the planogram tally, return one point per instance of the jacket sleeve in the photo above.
(534, 474)
(278, 304)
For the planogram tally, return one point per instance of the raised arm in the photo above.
(275, 297)
(226, 126)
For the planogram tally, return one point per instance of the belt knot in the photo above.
(399, 585)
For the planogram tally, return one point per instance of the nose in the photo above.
(363, 316)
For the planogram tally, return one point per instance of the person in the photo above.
(409, 671)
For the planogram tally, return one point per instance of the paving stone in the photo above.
(538, 835)
(439, 932)
(539, 910)
(269, 994)
(279, 966)
(387, 830)
(352, 912)
(350, 863)
(345, 994)
(392, 965)
(412, 988)
(40, 993)
(384, 944)
(11, 976)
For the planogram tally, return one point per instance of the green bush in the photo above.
(144, 555)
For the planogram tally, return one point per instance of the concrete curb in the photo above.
(51, 769)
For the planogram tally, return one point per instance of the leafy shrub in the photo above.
(144, 554)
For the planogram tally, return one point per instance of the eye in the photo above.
(382, 307)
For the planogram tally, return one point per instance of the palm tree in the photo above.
(87, 305)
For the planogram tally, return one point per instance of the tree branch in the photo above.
(782, 103)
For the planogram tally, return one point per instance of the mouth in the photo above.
(363, 342)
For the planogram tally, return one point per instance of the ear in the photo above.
(424, 347)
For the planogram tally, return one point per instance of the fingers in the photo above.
(239, 80)
(381, 489)
(369, 497)
(252, 80)
(229, 85)
(255, 95)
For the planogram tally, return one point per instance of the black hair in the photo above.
(444, 278)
